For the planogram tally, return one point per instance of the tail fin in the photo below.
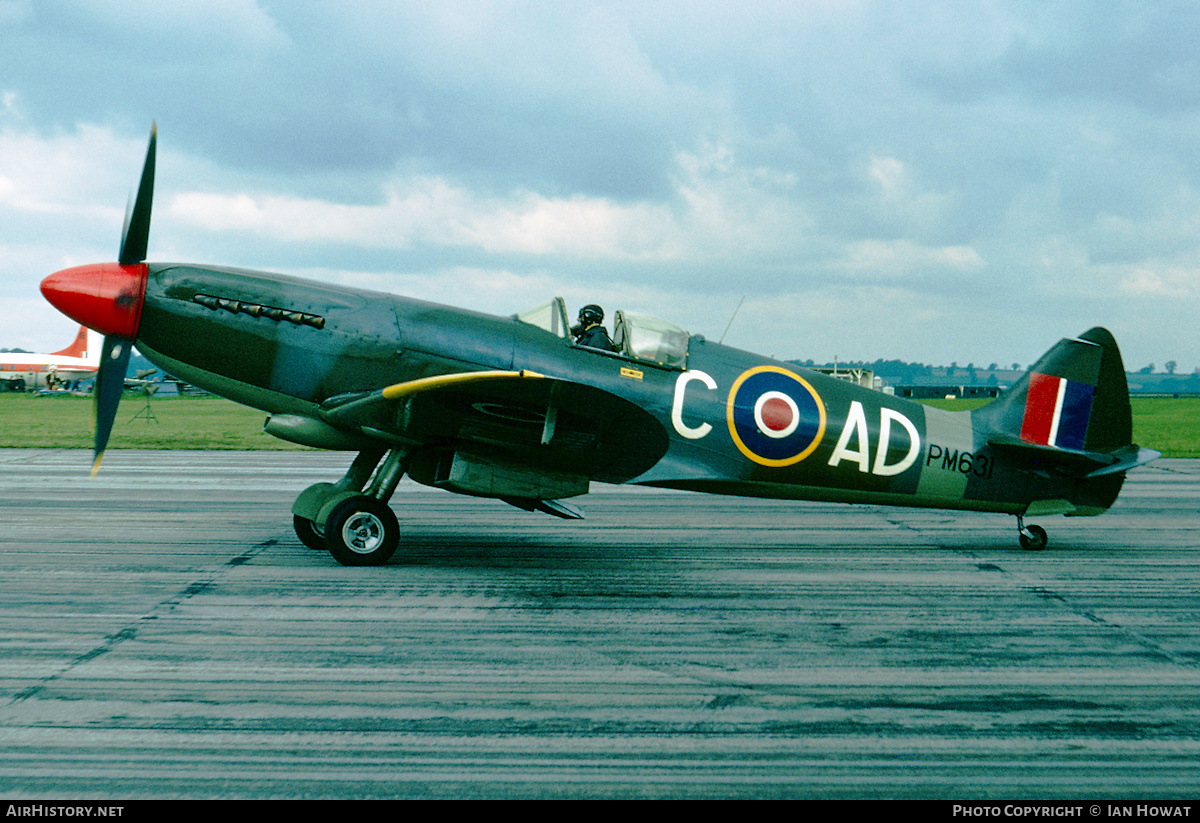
(1070, 409)
(78, 345)
(86, 345)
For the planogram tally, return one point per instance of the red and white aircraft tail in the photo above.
(79, 361)
(79, 347)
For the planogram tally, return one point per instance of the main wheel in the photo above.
(362, 531)
(1035, 540)
(310, 533)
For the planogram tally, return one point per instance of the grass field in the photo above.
(180, 423)
(1170, 425)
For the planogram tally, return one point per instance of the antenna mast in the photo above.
(730, 323)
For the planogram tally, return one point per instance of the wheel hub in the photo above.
(363, 532)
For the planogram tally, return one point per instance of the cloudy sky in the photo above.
(931, 181)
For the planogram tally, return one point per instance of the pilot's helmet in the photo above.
(591, 313)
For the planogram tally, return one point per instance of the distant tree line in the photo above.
(902, 373)
(899, 372)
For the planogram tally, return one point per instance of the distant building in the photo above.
(852, 374)
(926, 392)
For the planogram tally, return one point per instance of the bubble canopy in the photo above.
(637, 336)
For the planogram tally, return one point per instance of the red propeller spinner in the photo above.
(106, 297)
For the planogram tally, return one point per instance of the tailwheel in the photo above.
(310, 533)
(362, 531)
(1033, 538)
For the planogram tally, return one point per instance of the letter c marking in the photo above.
(690, 432)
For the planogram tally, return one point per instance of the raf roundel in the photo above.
(775, 417)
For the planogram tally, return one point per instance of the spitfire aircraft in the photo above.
(512, 408)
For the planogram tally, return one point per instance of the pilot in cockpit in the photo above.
(589, 331)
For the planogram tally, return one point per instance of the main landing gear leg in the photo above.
(307, 508)
(351, 518)
(1033, 538)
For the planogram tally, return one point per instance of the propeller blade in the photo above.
(136, 236)
(110, 384)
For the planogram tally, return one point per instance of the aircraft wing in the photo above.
(513, 417)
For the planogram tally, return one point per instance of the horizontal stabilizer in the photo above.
(1128, 458)
(1075, 462)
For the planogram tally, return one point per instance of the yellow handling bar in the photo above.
(401, 390)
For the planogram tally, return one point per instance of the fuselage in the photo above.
(735, 422)
(35, 368)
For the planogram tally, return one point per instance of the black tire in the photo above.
(362, 531)
(310, 533)
(1035, 540)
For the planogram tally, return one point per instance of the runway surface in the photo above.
(164, 634)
